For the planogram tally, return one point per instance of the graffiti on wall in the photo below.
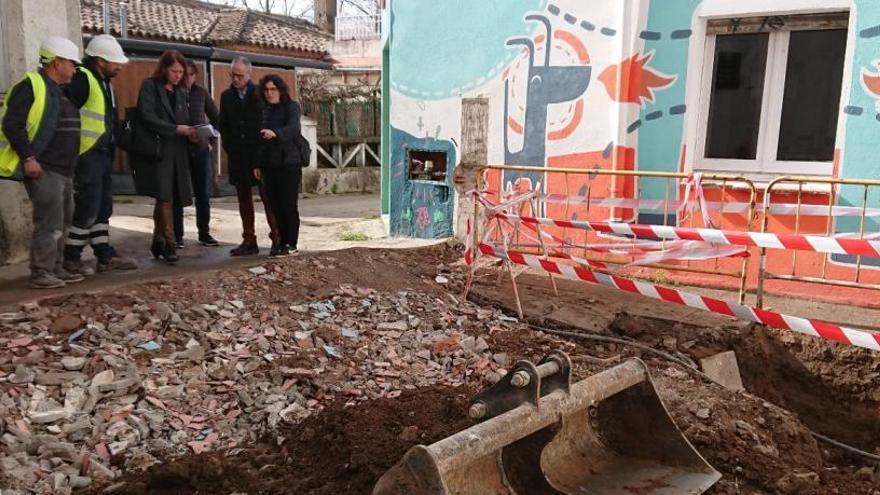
(546, 85)
(421, 209)
(638, 83)
(555, 72)
(871, 82)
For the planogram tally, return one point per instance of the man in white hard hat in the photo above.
(90, 90)
(41, 132)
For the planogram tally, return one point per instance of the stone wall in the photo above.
(341, 181)
(23, 25)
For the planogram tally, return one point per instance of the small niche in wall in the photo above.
(427, 165)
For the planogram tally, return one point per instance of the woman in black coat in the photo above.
(278, 162)
(163, 110)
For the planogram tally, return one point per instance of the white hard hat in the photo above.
(106, 47)
(58, 47)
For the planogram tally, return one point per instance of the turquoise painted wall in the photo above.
(448, 47)
(661, 124)
(860, 153)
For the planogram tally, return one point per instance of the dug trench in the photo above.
(827, 388)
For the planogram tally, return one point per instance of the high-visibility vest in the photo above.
(92, 114)
(9, 159)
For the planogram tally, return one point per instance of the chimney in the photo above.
(123, 19)
(325, 15)
(105, 16)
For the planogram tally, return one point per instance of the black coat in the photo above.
(282, 150)
(240, 120)
(158, 179)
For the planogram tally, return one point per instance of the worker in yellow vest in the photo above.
(40, 142)
(90, 90)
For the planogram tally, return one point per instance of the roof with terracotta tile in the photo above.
(202, 23)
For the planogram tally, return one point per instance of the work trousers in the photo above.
(52, 198)
(202, 174)
(93, 206)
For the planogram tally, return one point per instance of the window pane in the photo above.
(813, 81)
(737, 90)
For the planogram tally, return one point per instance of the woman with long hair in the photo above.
(278, 163)
(162, 110)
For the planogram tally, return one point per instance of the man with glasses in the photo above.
(240, 120)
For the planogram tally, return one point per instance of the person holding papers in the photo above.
(204, 115)
(160, 164)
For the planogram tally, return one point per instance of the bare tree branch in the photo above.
(292, 8)
(308, 8)
(367, 7)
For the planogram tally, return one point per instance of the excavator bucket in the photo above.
(540, 434)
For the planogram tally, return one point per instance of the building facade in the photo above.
(756, 88)
(211, 35)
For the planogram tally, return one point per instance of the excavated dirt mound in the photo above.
(342, 450)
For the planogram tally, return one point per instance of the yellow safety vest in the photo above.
(92, 113)
(9, 159)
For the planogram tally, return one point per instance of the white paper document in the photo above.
(207, 131)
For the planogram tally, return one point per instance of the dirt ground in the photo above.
(344, 450)
(761, 440)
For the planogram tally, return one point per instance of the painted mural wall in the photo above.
(599, 84)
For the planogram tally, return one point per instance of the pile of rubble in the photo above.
(85, 397)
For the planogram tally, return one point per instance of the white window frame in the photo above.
(701, 62)
(765, 161)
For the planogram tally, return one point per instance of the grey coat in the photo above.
(170, 174)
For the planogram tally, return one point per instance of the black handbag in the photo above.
(305, 151)
(136, 139)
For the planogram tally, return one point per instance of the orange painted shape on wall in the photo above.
(596, 186)
(575, 43)
(637, 80)
(872, 82)
(569, 129)
(515, 126)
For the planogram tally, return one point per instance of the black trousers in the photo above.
(282, 189)
(201, 171)
(93, 199)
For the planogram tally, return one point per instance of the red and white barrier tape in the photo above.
(814, 328)
(695, 182)
(819, 244)
(644, 252)
(468, 248)
(659, 205)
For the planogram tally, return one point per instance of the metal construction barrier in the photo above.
(834, 216)
(828, 235)
(550, 212)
